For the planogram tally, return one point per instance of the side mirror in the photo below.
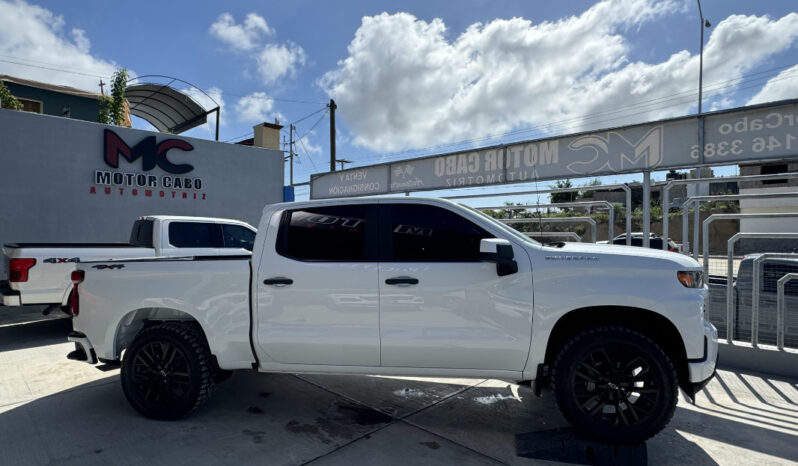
(499, 251)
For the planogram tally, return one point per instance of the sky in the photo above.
(416, 78)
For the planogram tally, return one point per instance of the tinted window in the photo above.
(771, 274)
(195, 235)
(420, 233)
(236, 236)
(141, 235)
(336, 233)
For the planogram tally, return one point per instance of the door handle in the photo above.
(278, 281)
(401, 281)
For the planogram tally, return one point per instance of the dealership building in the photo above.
(70, 180)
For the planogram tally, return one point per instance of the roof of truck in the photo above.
(193, 219)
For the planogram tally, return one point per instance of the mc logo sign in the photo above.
(618, 154)
(150, 153)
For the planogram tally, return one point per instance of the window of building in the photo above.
(773, 170)
(332, 234)
(420, 233)
(29, 105)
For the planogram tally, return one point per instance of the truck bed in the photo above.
(69, 245)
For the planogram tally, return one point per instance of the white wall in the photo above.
(47, 172)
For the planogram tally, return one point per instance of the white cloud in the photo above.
(273, 61)
(32, 35)
(783, 86)
(245, 36)
(406, 83)
(257, 108)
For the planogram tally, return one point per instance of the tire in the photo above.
(615, 385)
(167, 372)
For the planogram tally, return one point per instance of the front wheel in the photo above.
(167, 371)
(615, 385)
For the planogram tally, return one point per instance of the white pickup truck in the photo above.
(408, 287)
(39, 273)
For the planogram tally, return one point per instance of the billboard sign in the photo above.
(741, 135)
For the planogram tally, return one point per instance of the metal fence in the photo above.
(756, 300)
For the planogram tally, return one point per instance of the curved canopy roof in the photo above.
(164, 107)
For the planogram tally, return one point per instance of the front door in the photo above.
(317, 290)
(440, 307)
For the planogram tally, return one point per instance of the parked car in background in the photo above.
(770, 271)
(38, 273)
(655, 242)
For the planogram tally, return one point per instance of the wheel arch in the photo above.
(651, 324)
(137, 320)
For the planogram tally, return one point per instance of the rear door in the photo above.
(317, 288)
(439, 305)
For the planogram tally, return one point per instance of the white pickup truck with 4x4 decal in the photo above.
(38, 273)
(407, 287)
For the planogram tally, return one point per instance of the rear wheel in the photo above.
(167, 371)
(615, 385)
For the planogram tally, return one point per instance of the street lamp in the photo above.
(704, 23)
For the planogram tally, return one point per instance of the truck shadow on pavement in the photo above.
(32, 334)
(288, 419)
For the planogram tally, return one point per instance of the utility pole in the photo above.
(332, 134)
(704, 23)
(342, 162)
(291, 152)
(102, 89)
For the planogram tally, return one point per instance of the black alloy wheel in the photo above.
(615, 385)
(167, 371)
(161, 373)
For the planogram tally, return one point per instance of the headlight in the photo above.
(691, 279)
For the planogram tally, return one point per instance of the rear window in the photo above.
(771, 274)
(195, 235)
(141, 235)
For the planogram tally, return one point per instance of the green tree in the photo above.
(589, 193)
(7, 100)
(112, 108)
(563, 197)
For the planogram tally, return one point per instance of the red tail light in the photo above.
(18, 269)
(74, 301)
(77, 276)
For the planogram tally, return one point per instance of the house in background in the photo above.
(51, 99)
(773, 205)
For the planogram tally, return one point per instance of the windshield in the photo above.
(512, 231)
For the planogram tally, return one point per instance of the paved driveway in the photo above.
(55, 411)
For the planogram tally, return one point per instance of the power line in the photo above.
(245, 134)
(307, 153)
(309, 115)
(58, 67)
(314, 124)
(63, 70)
(308, 132)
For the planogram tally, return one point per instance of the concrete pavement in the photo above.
(56, 411)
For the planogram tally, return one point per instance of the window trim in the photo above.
(370, 248)
(386, 237)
